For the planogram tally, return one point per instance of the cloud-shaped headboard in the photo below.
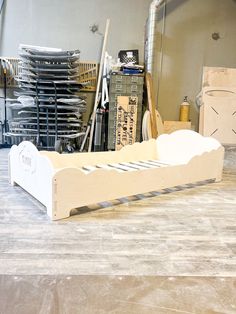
(182, 145)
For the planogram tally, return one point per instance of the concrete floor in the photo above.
(167, 252)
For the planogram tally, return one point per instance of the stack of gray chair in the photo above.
(48, 107)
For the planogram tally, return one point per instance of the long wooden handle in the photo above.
(151, 105)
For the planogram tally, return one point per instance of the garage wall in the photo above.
(66, 24)
(187, 41)
(188, 46)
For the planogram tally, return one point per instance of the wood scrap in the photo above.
(155, 117)
(171, 126)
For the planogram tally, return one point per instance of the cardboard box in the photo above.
(171, 126)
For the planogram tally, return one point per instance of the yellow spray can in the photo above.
(184, 110)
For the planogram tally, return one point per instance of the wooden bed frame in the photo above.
(63, 182)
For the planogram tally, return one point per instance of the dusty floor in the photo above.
(160, 253)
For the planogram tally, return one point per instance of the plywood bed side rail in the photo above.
(31, 171)
(74, 189)
(181, 146)
(135, 152)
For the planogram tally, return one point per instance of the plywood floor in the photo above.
(167, 252)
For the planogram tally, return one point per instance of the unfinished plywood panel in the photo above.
(219, 77)
(126, 121)
(63, 182)
(217, 117)
(171, 126)
(218, 114)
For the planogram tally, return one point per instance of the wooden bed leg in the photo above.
(219, 178)
(57, 213)
(12, 183)
(220, 166)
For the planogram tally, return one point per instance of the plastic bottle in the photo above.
(184, 110)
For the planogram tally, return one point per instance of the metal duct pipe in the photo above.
(1, 5)
(151, 35)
